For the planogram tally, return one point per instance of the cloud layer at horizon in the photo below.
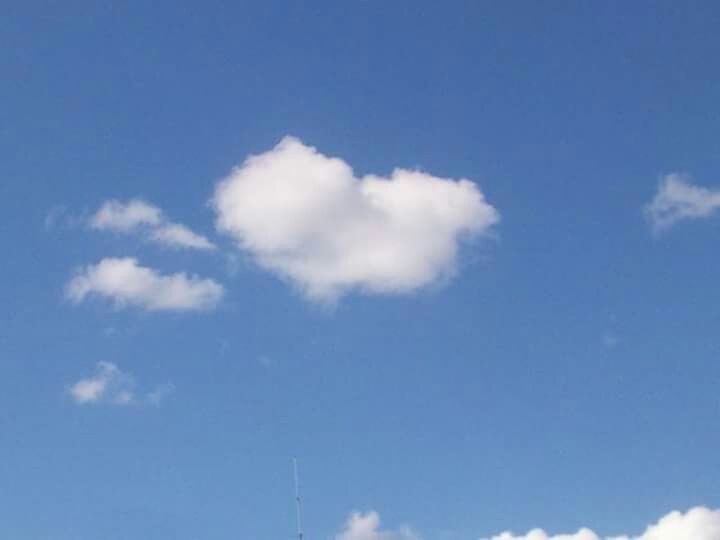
(699, 523)
(308, 218)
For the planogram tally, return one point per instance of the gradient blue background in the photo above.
(490, 403)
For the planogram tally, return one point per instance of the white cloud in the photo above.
(367, 527)
(539, 534)
(110, 385)
(174, 234)
(127, 283)
(139, 216)
(116, 216)
(107, 385)
(308, 218)
(678, 199)
(697, 524)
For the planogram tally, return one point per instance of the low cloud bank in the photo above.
(697, 524)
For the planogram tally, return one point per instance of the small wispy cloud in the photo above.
(265, 361)
(107, 385)
(610, 340)
(59, 217)
(160, 393)
(138, 216)
(54, 215)
(126, 283)
(111, 386)
(175, 234)
(678, 199)
(127, 217)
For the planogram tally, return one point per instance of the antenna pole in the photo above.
(298, 504)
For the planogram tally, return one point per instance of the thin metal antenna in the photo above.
(298, 504)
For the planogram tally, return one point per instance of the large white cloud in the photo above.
(139, 216)
(678, 199)
(127, 283)
(308, 218)
(361, 526)
(697, 524)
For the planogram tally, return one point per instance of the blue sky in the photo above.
(545, 355)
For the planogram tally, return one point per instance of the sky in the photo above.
(459, 258)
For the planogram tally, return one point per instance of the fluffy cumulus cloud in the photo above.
(126, 283)
(367, 527)
(697, 524)
(678, 199)
(308, 218)
(110, 385)
(137, 216)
